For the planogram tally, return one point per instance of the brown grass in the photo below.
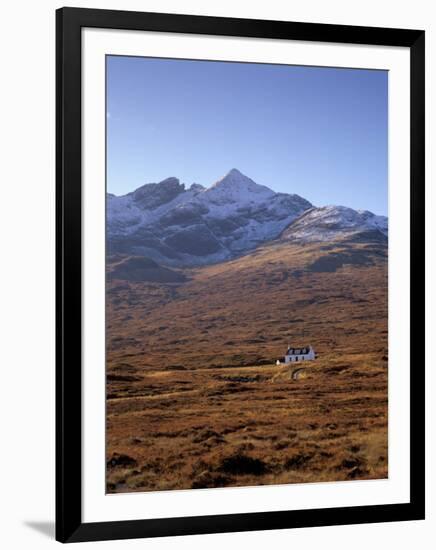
(195, 400)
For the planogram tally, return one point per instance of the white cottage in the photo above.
(299, 354)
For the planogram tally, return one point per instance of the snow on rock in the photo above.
(180, 226)
(331, 223)
(235, 190)
(176, 226)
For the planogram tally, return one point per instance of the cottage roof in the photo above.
(298, 351)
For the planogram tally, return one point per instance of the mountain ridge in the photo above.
(332, 223)
(183, 227)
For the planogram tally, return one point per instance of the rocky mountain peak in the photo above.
(236, 179)
(238, 189)
(152, 195)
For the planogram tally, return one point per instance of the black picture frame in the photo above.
(69, 525)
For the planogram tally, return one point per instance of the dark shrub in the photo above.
(242, 464)
(121, 460)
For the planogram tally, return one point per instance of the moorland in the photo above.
(194, 396)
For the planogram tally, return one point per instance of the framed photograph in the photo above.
(240, 274)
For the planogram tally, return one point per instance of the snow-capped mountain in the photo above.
(178, 226)
(332, 223)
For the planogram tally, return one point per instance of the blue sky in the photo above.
(318, 132)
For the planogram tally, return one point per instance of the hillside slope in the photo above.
(195, 398)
